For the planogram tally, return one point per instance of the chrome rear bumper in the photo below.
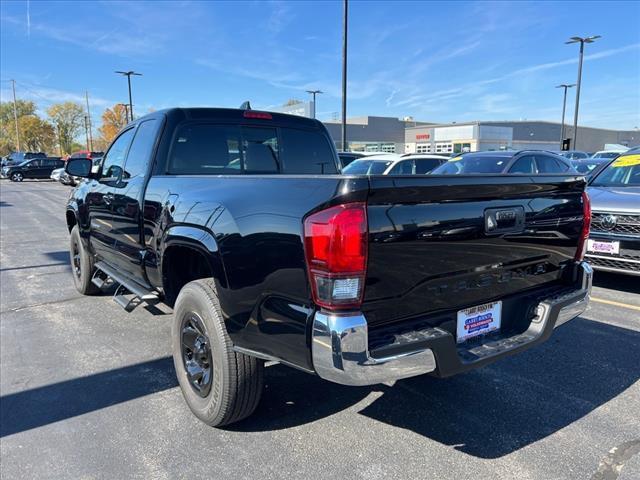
(340, 342)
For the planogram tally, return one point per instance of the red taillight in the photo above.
(335, 243)
(586, 224)
(260, 115)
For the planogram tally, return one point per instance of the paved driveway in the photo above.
(88, 391)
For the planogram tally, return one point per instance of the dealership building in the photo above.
(388, 134)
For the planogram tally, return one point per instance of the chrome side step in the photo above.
(128, 294)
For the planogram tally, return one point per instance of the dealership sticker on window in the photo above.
(455, 159)
(628, 161)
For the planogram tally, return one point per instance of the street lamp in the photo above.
(314, 92)
(128, 75)
(564, 107)
(345, 15)
(582, 41)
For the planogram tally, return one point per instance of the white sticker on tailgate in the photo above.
(598, 246)
(478, 320)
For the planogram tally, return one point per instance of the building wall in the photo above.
(547, 135)
(371, 130)
(385, 133)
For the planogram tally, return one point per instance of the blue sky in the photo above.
(440, 62)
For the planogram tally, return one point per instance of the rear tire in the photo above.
(82, 267)
(220, 385)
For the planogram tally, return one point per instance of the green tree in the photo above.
(8, 141)
(36, 135)
(68, 118)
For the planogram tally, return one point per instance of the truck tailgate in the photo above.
(442, 243)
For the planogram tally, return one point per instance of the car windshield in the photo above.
(472, 164)
(367, 167)
(624, 171)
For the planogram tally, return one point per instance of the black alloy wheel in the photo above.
(75, 259)
(196, 354)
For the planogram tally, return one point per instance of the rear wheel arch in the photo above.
(72, 220)
(184, 261)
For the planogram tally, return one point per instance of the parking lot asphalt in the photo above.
(88, 391)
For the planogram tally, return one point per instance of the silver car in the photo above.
(614, 241)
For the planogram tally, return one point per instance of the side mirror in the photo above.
(79, 167)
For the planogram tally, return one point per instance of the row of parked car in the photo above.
(19, 166)
(493, 162)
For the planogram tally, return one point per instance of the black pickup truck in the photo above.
(241, 221)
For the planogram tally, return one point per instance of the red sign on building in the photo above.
(423, 136)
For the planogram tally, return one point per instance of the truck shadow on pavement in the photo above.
(486, 413)
(59, 401)
(60, 258)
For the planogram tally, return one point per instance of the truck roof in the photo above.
(235, 114)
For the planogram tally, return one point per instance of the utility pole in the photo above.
(15, 116)
(126, 110)
(86, 93)
(314, 92)
(59, 140)
(86, 130)
(564, 107)
(344, 74)
(128, 75)
(582, 41)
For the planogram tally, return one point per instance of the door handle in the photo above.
(108, 198)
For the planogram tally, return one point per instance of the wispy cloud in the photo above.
(50, 95)
(114, 41)
(472, 88)
(280, 17)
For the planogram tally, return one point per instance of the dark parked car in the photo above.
(614, 241)
(227, 216)
(16, 158)
(529, 162)
(36, 168)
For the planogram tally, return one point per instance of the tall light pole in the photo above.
(15, 116)
(128, 75)
(564, 107)
(344, 74)
(314, 92)
(582, 41)
(86, 131)
(86, 93)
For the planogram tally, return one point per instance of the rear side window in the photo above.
(523, 165)
(306, 152)
(549, 165)
(425, 165)
(404, 167)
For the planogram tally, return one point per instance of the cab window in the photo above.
(113, 164)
